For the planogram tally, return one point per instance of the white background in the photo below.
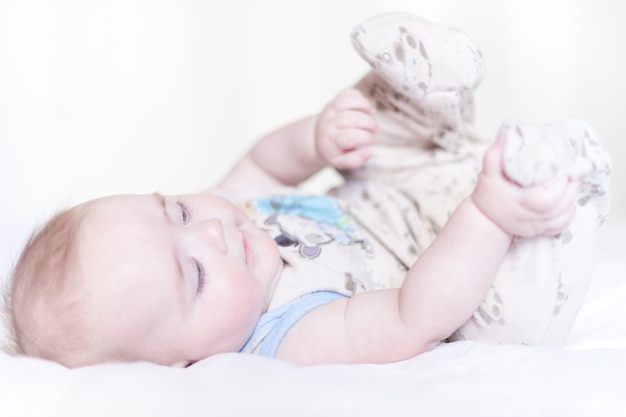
(100, 97)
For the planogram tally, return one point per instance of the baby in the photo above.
(435, 234)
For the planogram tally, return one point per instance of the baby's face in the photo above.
(175, 279)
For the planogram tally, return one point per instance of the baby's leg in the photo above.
(422, 82)
(426, 155)
(542, 281)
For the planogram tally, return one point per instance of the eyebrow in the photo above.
(179, 268)
(162, 202)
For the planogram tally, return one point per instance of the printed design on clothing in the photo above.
(491, 310)
(561, 297)
(308, 222)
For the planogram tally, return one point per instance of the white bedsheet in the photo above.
(585, 378)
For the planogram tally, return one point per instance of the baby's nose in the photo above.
(212, 232)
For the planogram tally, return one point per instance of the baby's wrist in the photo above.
(485, 210)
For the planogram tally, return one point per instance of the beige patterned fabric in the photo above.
(425, 161)
(427, 158)
(430, 72)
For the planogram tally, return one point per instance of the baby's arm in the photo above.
(291, 154)
(446, 284)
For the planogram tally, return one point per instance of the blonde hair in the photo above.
(48, 310)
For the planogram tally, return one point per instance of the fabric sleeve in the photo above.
(274, 324)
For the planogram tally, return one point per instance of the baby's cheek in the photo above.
(247, 301)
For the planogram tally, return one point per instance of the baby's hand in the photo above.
(543, 209)
(344, 126)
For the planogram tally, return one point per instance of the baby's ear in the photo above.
(432, 65)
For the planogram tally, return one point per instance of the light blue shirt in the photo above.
(273, 325)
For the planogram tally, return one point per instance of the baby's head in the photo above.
(46, 288)
(165, 279)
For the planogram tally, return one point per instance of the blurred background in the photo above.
(123, 96)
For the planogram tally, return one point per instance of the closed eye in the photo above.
(184, 211)
(200, 278)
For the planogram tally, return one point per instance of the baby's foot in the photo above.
(535, 154)
(424, 74)
(418, 57)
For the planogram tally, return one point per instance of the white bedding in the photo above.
(585, 378)
(89, 87)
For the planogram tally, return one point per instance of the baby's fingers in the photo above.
(568, 198)
(348, 139)
(351, 160)
(352, 99)
(355, 119)
(545, 198)
(557, 211)
(492, 160)
(559, 223)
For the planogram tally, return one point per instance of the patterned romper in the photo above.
(366, 233)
